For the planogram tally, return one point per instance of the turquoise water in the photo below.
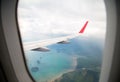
(50, 64)
(45, 66)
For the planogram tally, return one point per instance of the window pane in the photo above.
(55, 51)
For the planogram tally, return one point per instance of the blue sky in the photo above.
(38, 18)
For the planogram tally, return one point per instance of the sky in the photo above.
(45, 18)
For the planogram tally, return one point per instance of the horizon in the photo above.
(39, 18)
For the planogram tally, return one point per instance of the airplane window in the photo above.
(63, 40)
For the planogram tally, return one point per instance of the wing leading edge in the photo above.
(41, 45)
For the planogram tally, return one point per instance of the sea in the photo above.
(49, 65)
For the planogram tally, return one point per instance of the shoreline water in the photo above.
(74, 64)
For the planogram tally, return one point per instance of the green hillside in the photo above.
(87, 70)
(91, 63)
(79, 76)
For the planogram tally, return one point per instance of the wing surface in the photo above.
(41, 45)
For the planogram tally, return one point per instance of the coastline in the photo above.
(74, 64)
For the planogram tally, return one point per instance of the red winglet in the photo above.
(83, 28)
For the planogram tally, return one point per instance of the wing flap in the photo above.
(42, 49)
(63, 42)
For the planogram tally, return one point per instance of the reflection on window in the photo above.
(54, 48)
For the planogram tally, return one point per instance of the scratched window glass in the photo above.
(63, 40)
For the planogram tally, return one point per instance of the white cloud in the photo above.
(42, 17)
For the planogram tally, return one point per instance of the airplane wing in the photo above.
(41, 45)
